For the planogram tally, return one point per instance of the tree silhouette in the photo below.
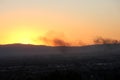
(101, 40)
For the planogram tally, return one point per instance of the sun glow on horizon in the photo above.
(23, 35)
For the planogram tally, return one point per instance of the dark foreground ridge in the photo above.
(29, 62)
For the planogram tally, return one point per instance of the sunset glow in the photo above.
(24, 37)
(25, 21)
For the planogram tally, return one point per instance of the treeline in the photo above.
(101, 40)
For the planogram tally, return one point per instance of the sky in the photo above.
(26, 21)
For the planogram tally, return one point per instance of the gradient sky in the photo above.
(25, 21)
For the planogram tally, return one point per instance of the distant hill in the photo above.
(43, 53)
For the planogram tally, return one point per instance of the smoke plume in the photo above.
(59, 40)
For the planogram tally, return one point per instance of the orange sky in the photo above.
(25, 21)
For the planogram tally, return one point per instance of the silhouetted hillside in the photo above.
(39, 62)
(47, 53)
